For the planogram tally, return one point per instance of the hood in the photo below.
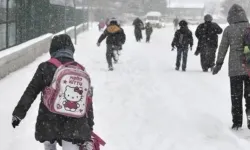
(236, 14)
(61, 42)
(113, 29)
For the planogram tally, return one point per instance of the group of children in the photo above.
(139, 26)
(207, 35)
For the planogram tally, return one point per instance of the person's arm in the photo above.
(174, 42)
(90, 116)
(218, 29)
(224, 45)
(35, 86)
(191, 40)
(198, 32)
(123, 39)
(103, 36)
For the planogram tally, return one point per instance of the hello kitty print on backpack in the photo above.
(69, 92)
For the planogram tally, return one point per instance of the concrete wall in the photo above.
(19, 56)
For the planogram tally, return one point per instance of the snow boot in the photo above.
(177, 68)
(184, 70)
(236, 127)
(205, 70)
(111, 68)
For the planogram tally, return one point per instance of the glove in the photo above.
(88, 145)
(15, 121)
(172, 49)
(191, 48)
(217, 68)
(98, 44)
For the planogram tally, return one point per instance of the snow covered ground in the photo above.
(143, 104)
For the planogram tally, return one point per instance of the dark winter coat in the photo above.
(149, 29)
(114, 34)
(207, 34)
(49, 126)
(138, 24)
(183, 38)
(232, 37)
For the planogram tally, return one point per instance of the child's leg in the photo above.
(178, 59)
(203, 56)
(184, 60)
(69, 146)
(109, 54)
(49, 146)
(147, 37)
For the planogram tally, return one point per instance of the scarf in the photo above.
(63, 53)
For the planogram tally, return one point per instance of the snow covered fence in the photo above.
(21, 55)
(71, 30)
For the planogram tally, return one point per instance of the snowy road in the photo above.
(143, 104)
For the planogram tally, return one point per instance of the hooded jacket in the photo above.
(137, 23)
(183, 38)
(148, 29)
(232, 37)
(207, 34)
(114, 34)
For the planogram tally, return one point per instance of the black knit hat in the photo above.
(59, 42)
(208, 18)
(183, 23)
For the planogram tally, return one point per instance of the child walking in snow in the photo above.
(115, 39)
(149, 30)
(182, 40)
(65, 113)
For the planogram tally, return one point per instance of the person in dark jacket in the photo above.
(138, 25)
(51, 127)
(115, 39)
(182, 40)
(149, 31)
(207, 34)
(239, 79)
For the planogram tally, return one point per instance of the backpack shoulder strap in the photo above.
(77, 64)
(55, 62)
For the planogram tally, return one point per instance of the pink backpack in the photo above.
(69, 92)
